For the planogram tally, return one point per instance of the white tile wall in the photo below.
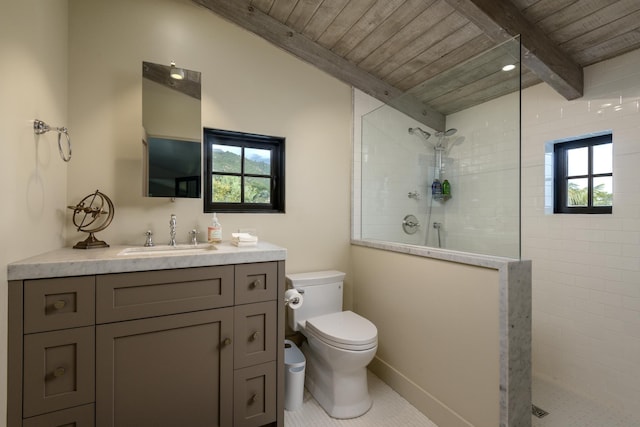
(482, 166)
(586, 269)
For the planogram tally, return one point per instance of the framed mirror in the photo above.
(171, 137)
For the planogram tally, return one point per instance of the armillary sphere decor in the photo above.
(94, 213)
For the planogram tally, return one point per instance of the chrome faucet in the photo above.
(194, 237)
(172, 230)
(149, 241)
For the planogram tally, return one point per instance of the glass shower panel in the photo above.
(404, 163)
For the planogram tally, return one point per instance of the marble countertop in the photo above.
(119, 259)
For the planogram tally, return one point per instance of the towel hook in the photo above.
(40, 127)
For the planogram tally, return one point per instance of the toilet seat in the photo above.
(345, 329)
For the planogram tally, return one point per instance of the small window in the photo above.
(583, 176)
(244, 172)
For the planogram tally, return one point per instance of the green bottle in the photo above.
(446, 188)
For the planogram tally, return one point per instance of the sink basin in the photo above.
(167, 250)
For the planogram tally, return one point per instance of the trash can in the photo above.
(294, 364)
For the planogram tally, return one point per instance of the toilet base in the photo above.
(341, 394)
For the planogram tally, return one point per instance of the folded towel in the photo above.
(243, 237)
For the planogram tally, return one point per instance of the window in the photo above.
(244, 172)
(583, 175)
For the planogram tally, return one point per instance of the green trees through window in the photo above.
(245, 172)
(583, 175)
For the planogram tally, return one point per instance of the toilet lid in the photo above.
(344, 329)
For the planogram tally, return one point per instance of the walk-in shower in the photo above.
(459, 185)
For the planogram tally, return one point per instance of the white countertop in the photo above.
(81, 262)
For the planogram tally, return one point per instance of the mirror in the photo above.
(171, 138)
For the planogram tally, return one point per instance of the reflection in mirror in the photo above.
(171, 132)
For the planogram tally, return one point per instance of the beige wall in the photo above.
(438, 332)
(33, 42)
(247, 85)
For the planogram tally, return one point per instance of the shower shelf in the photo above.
(441, 197)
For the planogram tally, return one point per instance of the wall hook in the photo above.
(40, 127)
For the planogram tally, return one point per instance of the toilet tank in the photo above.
(322, 294)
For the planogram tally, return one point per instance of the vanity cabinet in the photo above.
(196, 346)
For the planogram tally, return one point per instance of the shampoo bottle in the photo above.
(446, 188)
(214, 231)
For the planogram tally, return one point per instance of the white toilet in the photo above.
(340, 344)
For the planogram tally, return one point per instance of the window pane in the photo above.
(602, 155)
(226, 189)
(257, 161)
(577, 192)
(578, 161)
(226, 158)
(257, 190)
(603, 191)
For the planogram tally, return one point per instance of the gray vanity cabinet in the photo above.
(165, 371)
(193, 347)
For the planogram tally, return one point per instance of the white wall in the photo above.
(586, 268)
(446, 360)
(33, 43)
(247, 85)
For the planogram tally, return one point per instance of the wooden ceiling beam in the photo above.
(241, 13)
(501, 20)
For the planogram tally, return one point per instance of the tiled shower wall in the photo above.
(482, 215)
(586, 268)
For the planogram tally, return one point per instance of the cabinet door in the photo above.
(58, 370)
(255, 331)
(254, 393)
(166, 371)
(81, 416)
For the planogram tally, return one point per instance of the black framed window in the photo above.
(244, 172)
(583, 176)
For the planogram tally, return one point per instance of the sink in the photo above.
(167, 250)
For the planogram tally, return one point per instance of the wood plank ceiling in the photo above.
(416, 54)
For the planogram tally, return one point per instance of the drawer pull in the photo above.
(253, 399)
(227, 341)
(60, 304)
(254, 336)
(58, 372)
(255, 284)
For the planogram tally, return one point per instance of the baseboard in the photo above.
(435, 410)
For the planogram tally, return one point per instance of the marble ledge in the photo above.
(487, 261)
(81, 262)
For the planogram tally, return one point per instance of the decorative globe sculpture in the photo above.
(94, 213)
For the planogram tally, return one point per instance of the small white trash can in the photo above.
(294, 364)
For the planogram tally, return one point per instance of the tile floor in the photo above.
(565, 409)
(389, 410)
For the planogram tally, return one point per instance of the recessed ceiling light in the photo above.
(508, 67)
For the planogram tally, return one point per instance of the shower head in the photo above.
(447, 132)
(421, 132)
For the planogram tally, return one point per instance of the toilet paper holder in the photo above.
(293, 297)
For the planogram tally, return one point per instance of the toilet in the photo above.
(340, 344)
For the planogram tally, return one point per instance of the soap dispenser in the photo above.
(214, 231)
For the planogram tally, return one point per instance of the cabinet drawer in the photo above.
(254, 331)
(82, 416)
(51, 304)
(254, 395)
(59, 370)
(256, 282)
(128, 296)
